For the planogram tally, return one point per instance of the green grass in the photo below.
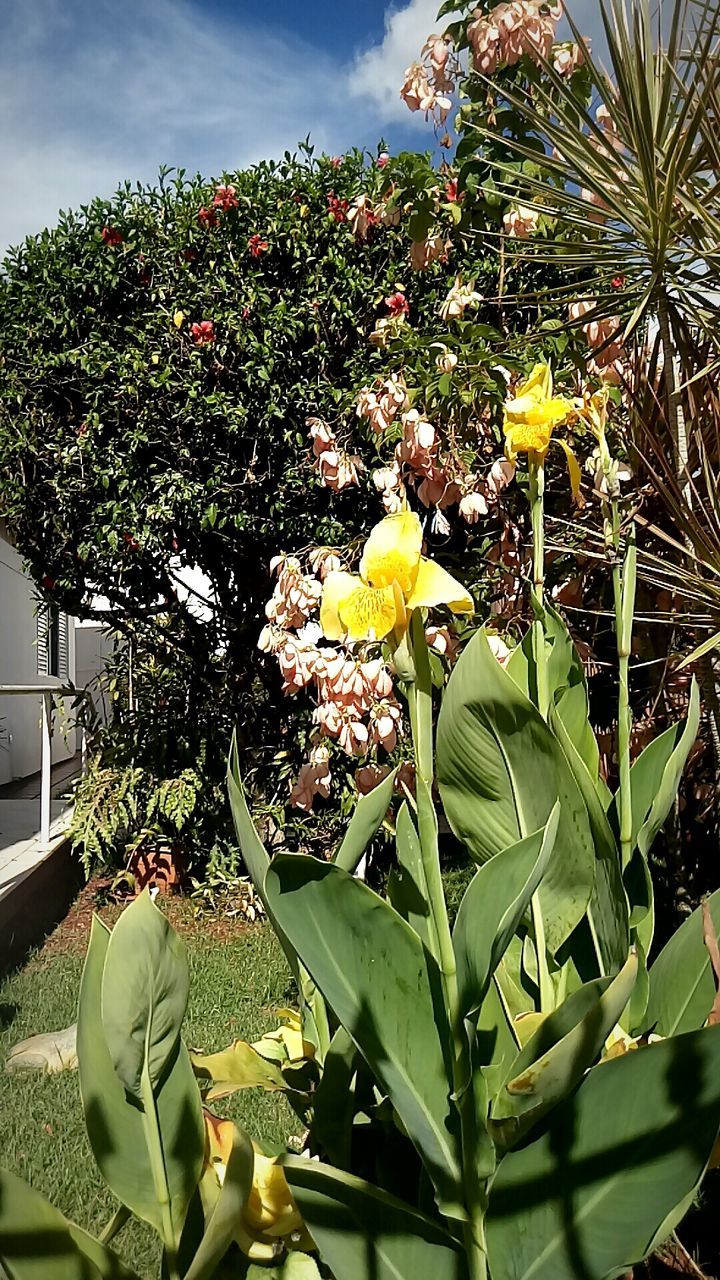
(237, 983)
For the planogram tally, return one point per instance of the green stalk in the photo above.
(537, 517)
(153, 1140)
(420, 702)
(624, 578)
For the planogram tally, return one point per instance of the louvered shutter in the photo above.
(62, 647)
(43, 641)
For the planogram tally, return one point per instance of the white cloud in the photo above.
(378, 72)
(93, 93)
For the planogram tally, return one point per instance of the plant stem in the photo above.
(537, 517)
(623, 575)
(153, 1139)
(420, 701)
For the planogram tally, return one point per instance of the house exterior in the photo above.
(37, 646)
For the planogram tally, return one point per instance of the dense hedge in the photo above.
(130, 446)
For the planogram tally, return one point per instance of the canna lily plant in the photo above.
(520, 1097)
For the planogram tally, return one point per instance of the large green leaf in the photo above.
(493, 906)
(38, 1243)
(608, 907)
(240, 1066)
(500, 771)
(682, 985)
(655, 776)
(116, 1124)
(540, 1078)
(363, 1233)
(407, 883)
(334, 1100)
(615, 1164)
(385, 989)
(368, 814)
(145, 989)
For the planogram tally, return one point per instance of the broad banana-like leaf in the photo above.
(407, 885)
(496, 1045)
(655, 776)
(240, 1066)
(540, 1080)
(116, 1124)
(364, 823)
(500, 771)
(363, 1233)
(334, 1100)
(566, 680)
(607, 910)
(222, 1225)
(38, 1243)
(385, 989)
(614, 1165)
(493, 906)
(682, 985)
(145, 987)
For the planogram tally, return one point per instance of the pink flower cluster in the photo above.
(511, 31)
(356, 706)
(425, 252)
(440, 482)
(429, 83)
(380, 406)
(336, 468)
(520, 223)
(602, 335)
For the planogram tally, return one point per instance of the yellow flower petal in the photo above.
(539, 383)
(574, 472)
(338, 586)
(370, 613)
(392, 552)
(435, 586)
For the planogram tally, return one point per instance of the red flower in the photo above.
(257, 246)
(336, 161)
(618, 282)
(49, 583)
(207, 217)
(203, 333)
(225, 198)
(111, 236)
(451, 191)
(337, 208)
(131, 542)
(245, 313)
(397, 304)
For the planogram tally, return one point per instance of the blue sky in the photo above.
(96, 91)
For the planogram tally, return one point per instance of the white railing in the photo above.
(46, 692)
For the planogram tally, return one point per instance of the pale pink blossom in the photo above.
(499, 476)
(385, 720)
(313, 780)
(369, 776)
(324, 561)
(361, 216)
(473, 505)
(498, 647)
(424, 252)
(419, 94)
(443, 641)
(386, 328)
(446, 361)
(567, 58)
(520, 223)
(459, 298)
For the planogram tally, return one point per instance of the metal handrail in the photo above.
(46, 691)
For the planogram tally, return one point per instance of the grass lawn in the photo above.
(238, 979)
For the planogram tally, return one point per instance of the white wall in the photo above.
(20, 715)
(93, 644)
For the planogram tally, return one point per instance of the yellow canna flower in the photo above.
(394, 579)
(270, 1219)
(287, 1042)
(179, 319)
(531, 416)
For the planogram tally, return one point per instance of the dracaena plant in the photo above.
(520, 1096)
